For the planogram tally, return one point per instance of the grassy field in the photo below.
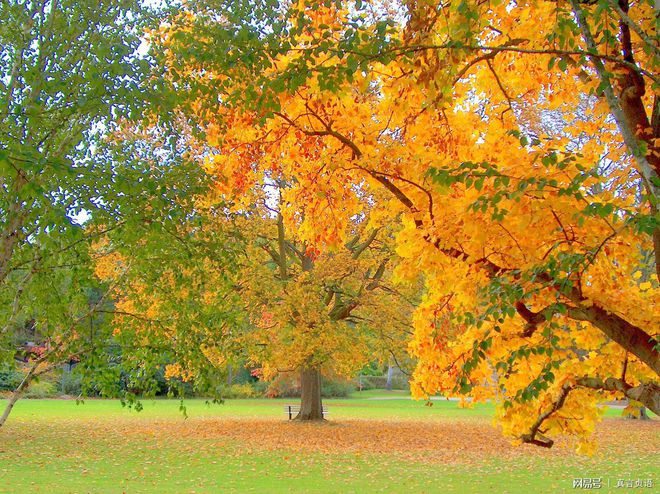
(371, 444)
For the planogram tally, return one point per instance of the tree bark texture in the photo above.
(310, 399)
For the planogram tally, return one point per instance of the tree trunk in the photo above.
(18, 392)
(10, 404)
(310, 399)
(642, 415)
(390, 373)
(230, 374)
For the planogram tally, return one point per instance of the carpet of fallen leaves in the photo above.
(447, 442)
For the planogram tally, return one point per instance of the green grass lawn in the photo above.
(371, 407)
(369, 445)
(372, 404)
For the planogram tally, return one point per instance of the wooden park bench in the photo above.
(292, 410)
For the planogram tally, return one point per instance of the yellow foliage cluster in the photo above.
(295, 323)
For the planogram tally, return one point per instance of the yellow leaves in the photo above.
(465, 403)
(211, 164)
(109, 266)
(586, 447)
(633, 410)
(314, 317)
(176, 371)
(645, 286)
(214, 355)
(172, 371)
(577, 417)
(417, 390)
(109, 263)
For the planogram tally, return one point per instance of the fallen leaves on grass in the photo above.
(451, 441)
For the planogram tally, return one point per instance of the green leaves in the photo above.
(603, 210)
(70, 71)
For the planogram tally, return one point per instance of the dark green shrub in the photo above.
(242, 376)
(260, 387)
(10, 377)
(401, 382)
(289, 387)
(336, 389)
(374, 382)
(380, 382)
(70, 383)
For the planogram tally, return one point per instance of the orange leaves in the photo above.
(173, 371)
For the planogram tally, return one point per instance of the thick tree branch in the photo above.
(378, 275)
(625, 18)
(410, 49)
(281, 243)
(627, 109)
(533, 318)
(629, 336)
(360, 248)
(648, 393)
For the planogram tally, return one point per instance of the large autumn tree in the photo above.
(518, 142)
(313, 312)
(232, 281)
